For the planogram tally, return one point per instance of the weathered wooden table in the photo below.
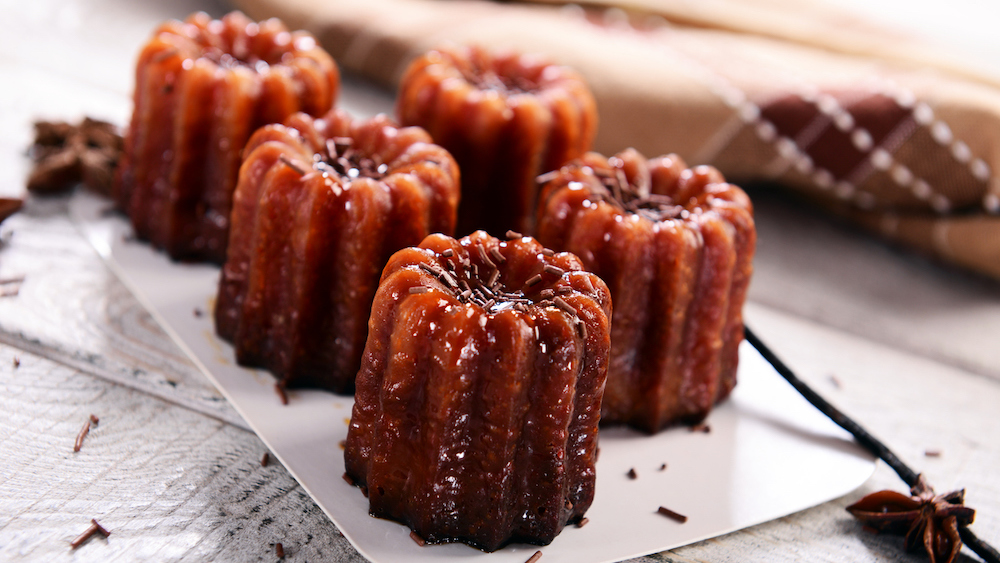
(906, 346)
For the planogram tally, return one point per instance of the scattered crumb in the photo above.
(264, 460)
(197, 313)
(835, 381)
(663, 467)
(94, 419)
(17, 362)
(279, 549)
(632, 474)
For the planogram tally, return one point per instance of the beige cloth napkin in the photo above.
(878, 127)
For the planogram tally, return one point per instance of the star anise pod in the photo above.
(923, 517)
(67, 154)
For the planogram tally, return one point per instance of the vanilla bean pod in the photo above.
(981, 548)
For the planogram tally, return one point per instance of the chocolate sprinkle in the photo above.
(265, 459)
(447, 253)
(418, 289)
(279, 550)
(94, 528)
(932, 453)
(79, 437)
(672, 515)
(554, 270)
(535, 557)
(514, 235)
(292, 164)
(497, 256)
(562, 304)
(349, 480)
(417, 539)
(582, 522)
(701, 427)
(533, 280)
(279, 388)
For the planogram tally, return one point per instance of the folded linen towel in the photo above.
(880, 128)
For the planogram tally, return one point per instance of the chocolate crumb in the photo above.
(417, 539)
(94, 419)
(279, 388)
(17, 362)
(672, 515)
(835, 381)
(264, 459)
(79, 437)
(932, 453)
(279, 550)
(632, 474)
(582, 522)
(514, 235)
(535, 557)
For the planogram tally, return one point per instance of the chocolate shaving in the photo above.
(672, 515)
(535, 557)
(417, 539)
(79, 437)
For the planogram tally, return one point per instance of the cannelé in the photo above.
(506, 118)
(202, 87)
(320, 207)
(478, 399)
(675, 246)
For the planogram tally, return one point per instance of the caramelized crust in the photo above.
(506, 118)
(476, 412)
(320, 207)
(202, 87)
(675, 246)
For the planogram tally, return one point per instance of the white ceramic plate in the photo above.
(769, 453)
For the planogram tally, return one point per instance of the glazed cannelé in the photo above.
(320, 207)
(506, 118)
(478, 400)
(202, 87)
(675, 246)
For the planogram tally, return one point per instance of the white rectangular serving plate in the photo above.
(768, 453)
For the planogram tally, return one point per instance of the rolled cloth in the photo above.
(876, 126)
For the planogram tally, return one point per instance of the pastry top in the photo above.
(654, 190)
(513, 279)
(501, 80)
(342, 153)
(235, 43)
